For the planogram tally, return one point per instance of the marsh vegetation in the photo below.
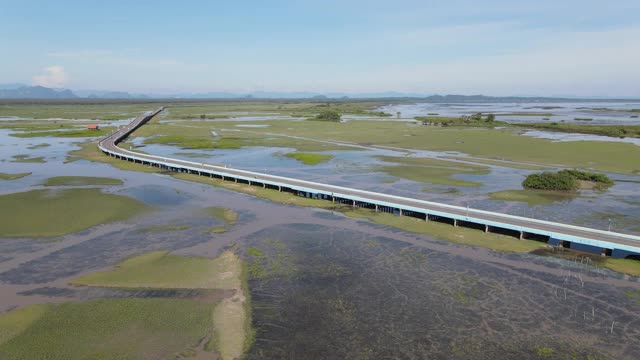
(80, 181)
(47, 213)
(5, 176)
(309, 158)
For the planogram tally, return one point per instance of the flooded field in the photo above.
(321, 292)
(324, 285)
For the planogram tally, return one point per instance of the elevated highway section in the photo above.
(605, 242)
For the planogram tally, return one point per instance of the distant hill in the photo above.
(36, 92)
(11, 86)
(20, 91)
(102, 94)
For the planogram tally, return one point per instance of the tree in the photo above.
(491, 118)
(476, 117)
(551, 181)
(329, 115)
(398, 115)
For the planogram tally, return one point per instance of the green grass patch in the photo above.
(190, 154)
(74, 109)
(625, 266)
(22, 158)
(46, 213)
(273, 195)
(66, 133)
(16, 321)
(309, 158)
(633, 295)
(6, 176)
(165, 228)
(496, 162)
(531, 197)
(217, 230)
(458, 235)
(160, 270)
(38, 146)
(112, 329)
(234, 138)
(80, 181)
(544, 352)
(200, 142)
(254, 251)
(431, 170)
(229, 216)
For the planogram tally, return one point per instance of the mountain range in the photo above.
(34, 92)
(22, 91)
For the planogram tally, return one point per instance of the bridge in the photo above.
(607, 243)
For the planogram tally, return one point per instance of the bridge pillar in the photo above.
(400, 212)
(354, 203)
(521, 235)
(279, 188)
(333, 199)
(455, 222)
(376, 207)
(235, 179)
(606, 252)
(486, 228)
(426, 217)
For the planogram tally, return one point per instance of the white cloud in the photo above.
(52, 76)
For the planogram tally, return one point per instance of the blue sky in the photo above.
(583, 48)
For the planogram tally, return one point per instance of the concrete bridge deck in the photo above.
(606, 242)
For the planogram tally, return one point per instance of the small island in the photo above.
(567, 180)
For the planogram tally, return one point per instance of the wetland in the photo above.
(130, 260)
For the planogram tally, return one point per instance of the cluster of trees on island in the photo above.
(565, 180)
(477, 119)
(329, 115)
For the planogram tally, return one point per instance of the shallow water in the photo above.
(340, 287)
(566, 112)
(323, 292)
(557, 136)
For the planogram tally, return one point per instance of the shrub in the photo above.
(329, 115)
(551, 181)
(564, 180)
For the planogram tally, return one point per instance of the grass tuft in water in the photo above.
(80, 181)
(309, 158)
(6, 176)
